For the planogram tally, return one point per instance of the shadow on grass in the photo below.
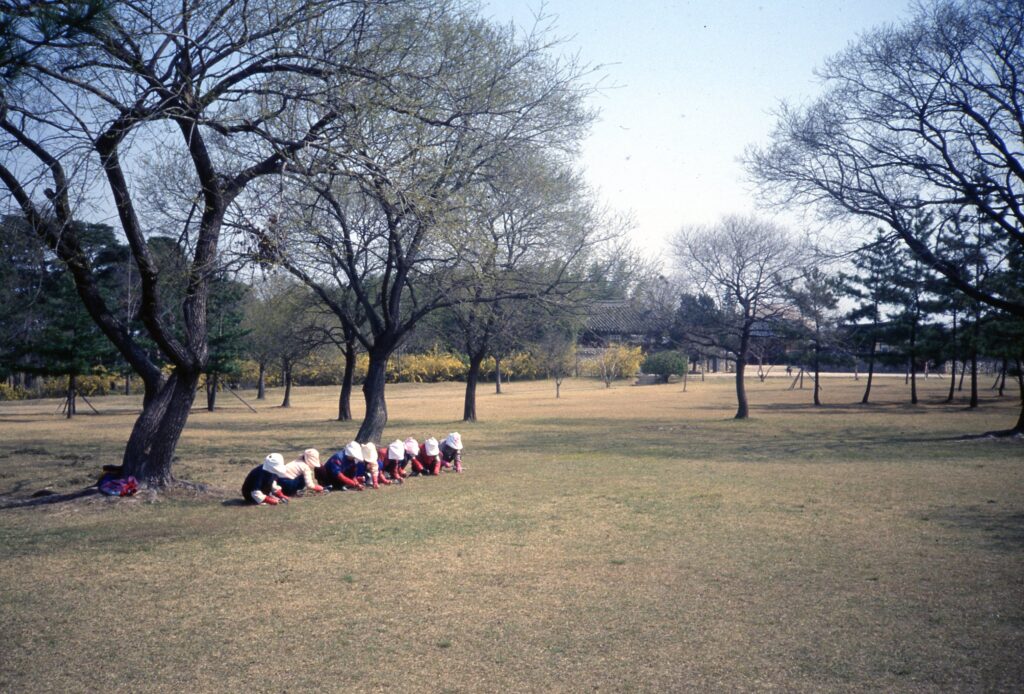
(1003, 530)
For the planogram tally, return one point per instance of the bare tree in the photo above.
(386, 229)
(923, 117)
(89, 88)
(740, 270)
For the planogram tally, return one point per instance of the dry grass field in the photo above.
(623, 539)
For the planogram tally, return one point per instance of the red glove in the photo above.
(279, 494)
(317, 488)
(271, 501)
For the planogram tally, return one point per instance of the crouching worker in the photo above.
(374, 476)
(260, 485)
(344, 469)
(428, 462)
(298, 474)
(451, 452)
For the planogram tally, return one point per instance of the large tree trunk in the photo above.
(345, 397)
(373, 393)
(472, 376)
(497, 375)
(742, 408)
(871, 371)
(286, 373)
(150, 450)
(261, 385)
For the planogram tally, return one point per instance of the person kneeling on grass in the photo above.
(396, 457)
(451, 452)
(299, 473)
(374, 475)
(428, 462)
(260, 485)
(344, 469)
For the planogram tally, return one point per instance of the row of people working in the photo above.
(356, 466)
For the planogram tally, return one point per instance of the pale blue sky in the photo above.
(697, 83)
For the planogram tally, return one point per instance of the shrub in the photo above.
(665, 364)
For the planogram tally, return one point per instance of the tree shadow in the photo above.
(1002, 530)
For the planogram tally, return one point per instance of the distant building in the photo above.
(620, 321)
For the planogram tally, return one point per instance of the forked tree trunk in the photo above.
(345, 397)
(472, 376)
(151, 445)
(373, 392)
(1002, 379)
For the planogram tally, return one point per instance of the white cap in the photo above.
(431, 446)
(369, 453)
(396, 450)
(311, 457)
(275, 463)
(454, 441)
(411, 446)
(354, 450)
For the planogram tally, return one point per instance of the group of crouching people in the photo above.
(356, 466)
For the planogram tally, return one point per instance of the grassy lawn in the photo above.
(623, 539)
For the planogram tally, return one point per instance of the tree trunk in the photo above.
(558, 388)
(373, 392)
(817, 374)
(150, 450)
(211, 391)
(963, 372)
(72, 390)
(871, 371)
(1002, 379)
(952, 382)
(128, 383)
(974, 378)
(286, 373)
(497, 375)
(345, 397)
(261, 385)
(1019, 427)
(742, 408)
(472, 376)
(913, 363)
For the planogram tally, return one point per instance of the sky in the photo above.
(688, 85)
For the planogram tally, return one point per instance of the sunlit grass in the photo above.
(632, 538)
